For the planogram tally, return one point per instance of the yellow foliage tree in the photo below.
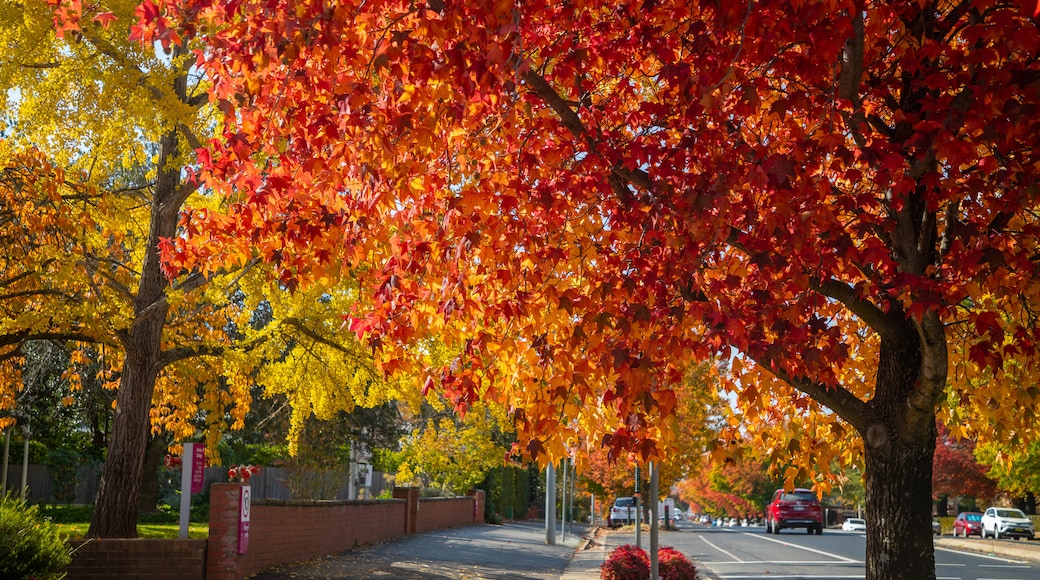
(95, 170)
(452, 454)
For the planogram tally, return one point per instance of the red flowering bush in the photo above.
(631, 563)
(673, 565)
(626, 563)
(242, 472)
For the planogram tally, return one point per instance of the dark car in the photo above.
(967, 524)
(798, 508)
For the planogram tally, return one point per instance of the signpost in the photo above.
(192, 472)
(243, 520)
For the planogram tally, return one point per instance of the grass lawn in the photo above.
(74, 520)
(75, 530)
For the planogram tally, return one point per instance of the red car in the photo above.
(967, 524)
(794, 509)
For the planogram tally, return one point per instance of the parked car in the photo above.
(1006, 523)
(794, 509)
(623, 511)
(936, 527)
(967, 524)
(854, 525)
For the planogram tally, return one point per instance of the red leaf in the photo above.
(104, 19)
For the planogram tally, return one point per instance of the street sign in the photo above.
(198, 467)
(243, 520)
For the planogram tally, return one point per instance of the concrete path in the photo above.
(512, 551)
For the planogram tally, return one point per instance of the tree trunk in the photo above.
(115, 510)
(898, 480)
(943, 506)
(898, 444)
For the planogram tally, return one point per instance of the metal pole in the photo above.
(654, 570)
(550, 505)
(570, 505)
(7, 453)
(25, 463)
(639, 521)
(187, 465)
(639, 513)
(563, 504)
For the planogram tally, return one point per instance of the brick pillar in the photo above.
(478, 505)
(411, 497)
(222, 551)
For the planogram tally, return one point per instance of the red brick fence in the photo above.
(280, 531)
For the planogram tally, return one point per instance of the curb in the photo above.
(1020, 550)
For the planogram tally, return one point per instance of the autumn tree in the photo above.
(701, 492)
(110, 120)
(98, 135)
(1015, 472)
(586, 196)
(448, 454)
(956, 472)
(694, 426)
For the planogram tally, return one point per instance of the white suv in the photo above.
(1006, 523)
(623, 511)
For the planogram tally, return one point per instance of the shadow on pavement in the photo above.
(512, 551)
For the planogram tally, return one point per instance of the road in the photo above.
(745, 553)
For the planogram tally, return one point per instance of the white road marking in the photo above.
(790, 545)
(978, 555)
(738, 560)
(787, 562)
(777, 576)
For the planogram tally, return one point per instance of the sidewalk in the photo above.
(590, 555)
(511, 551)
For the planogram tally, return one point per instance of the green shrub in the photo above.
(30, 547)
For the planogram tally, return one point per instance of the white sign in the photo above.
(243, 520)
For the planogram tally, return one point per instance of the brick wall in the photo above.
(104, 559)
(437, 513)
(283, 531)
(280, 531)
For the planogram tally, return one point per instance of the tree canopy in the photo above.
(584, 196)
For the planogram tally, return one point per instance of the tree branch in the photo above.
(838, 399)
(873, 316)
(312, 334)
(572, 122)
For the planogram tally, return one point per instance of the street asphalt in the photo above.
(518, 551)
